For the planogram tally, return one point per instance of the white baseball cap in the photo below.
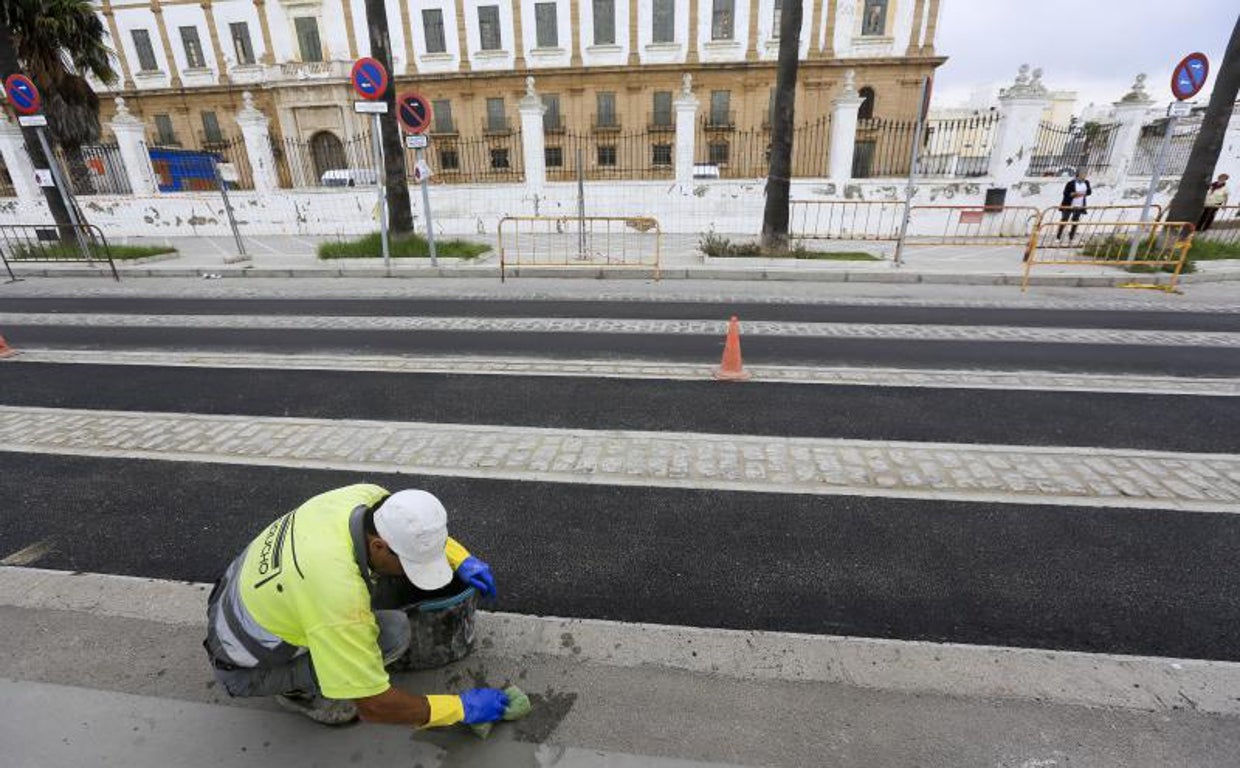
(415, 526)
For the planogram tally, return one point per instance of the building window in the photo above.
(718, 153)
(663, 21)
(548, 36)
(551, 118)
(662, 115)
(240, 32)
(327, 154)
(193, 48)
(867, 103)
(211, 132)
(721, 19)
(496, 119)
(604, 22)
(554, 157)
(499, 159)
(488, 28)
(432, 27)
(146, 54)
(308, 38)
(164, 135)
(874, 18)
(720, 108)
(442, 109)
(449, 160)
(661, 154)
(777, 18)
(607, 155)
(606, 117)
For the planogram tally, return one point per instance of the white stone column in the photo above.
(21, 170)
(532, 109)
(686, 106)
(130, 136)
(1130, 114)
(1016, 136)
(844, 110)
(257, 137)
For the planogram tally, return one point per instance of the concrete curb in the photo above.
(1083, 679)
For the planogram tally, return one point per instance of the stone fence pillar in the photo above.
(686, 106)
(1016, 137)
(130, 136)
(844, 110)
(1130, 114)
(533, 142)
(257, 137)
(17, 160)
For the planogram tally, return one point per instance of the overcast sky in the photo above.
(1094, 47)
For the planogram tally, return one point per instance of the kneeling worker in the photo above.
(292, 615)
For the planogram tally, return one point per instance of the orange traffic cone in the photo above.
(731, 368)
(5, 349)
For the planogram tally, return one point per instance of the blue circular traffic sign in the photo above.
(1189, 76)
(370, 78)
(414, 112)
(23, 94)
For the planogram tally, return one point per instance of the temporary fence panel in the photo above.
(53, 243)
(1064, 150)
(970, 225)
(844, 220)
(1150, 143)
(94, 169)
(958, 147)
(594, 242)
(6, 182)
(1096, 214)
(1159, 245)
(1223, 228)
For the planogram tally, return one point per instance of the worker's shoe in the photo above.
(319, 709)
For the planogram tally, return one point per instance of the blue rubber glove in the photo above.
(483, 705)
(478, 575)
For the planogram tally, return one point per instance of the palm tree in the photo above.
(779, 179)
(58, 43)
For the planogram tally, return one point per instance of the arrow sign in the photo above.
(23, 94)
(414, 112)
(370, 78)
(1189, 76)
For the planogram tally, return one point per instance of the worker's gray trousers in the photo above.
(298, 675)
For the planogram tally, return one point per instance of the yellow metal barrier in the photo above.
(1159, 244)
(844, 219)
(1095, 214)
(595, 242)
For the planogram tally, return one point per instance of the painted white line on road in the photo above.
(1093, 477)
(31, 554)
(875, 331)
(1068, 677)
(653, 370)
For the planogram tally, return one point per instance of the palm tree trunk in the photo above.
(399, 213)
(1190, 197)
(779, 178)
(9, 66)
(81, 179)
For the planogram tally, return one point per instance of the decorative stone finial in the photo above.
(121, 109)
(1137, 95)
(686, 84)
(529, 87)
(1025, 86)
(247, 100)
(123, 115)
(849, 86)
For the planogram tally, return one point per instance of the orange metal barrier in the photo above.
(594, 242)
(1159, 245)
(1099, 214)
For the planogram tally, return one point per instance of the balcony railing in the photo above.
(555, 125)
(444, 129)
(661, 121)
(496, 126)
(719, 121)
(607, 121)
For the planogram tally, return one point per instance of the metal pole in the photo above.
(1159, 163)
(232, 221)
(581, 207)
(59, 180)
(912, 172)
(426, 211)
(381, 183)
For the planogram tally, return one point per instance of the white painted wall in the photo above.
(128, 20)
(605, 55)
(722, 50)
(560, 55)
(768, 39)
(662, 53)
(239, 10)
(493, 61)
(448, 61)
(177, 16)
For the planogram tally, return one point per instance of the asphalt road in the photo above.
(1198, 424)
(783, 350)
(667, 310)
(1124, 581)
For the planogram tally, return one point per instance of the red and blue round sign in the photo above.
(370, 78)
(23, 94)
(1189, 76)
(414, 112)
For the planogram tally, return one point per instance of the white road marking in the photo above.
(31, 554)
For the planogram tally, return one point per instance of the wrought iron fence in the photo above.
(883, 147)
(1150, 142)
(746, 154)
(93, 169)
(53, 243)
(640, 155)
(495, 158)
(181, 169)
(958, 147)
(1062, 150)
(325, 161)
(6, 182)
(232, 151)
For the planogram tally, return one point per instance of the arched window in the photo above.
(867, 105)
(327, 153)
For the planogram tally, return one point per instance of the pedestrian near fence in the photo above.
(1075, 194)
(1216, 197)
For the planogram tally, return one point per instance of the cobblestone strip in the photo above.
(915, 332)
(641, 369)
(1067, 476)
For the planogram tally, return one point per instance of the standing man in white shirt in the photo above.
(1072, 206)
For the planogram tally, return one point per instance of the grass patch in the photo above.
(401, 247)
(70, 250)
(1212, 250)
(721, 247)
(1116, 249)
